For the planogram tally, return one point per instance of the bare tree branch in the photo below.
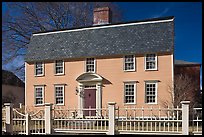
(24, 18)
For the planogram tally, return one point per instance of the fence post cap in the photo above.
(185, 102)
(48, 104)
(8, 104)
(111, 103)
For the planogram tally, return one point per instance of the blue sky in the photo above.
(188, 24)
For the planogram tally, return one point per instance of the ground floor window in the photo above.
(39, 95)
(151, 92)
(129, 92)
(59, 94)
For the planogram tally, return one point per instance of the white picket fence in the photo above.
(197, 121)
(149, 120)
(37, 123)
(111, 120)
(68, 120)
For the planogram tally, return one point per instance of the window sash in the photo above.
(129, 62)
(39, 95)
(59, 94)
(151, 92)
(129, 93)
(151, 62)
(90, 65)
(59, 67)
(38, 68)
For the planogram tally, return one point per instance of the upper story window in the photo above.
(90, 65)
(59, 67)
(129, 63)
(39, 68)
(59, 94)
(151, 92)
(130, 92)
(39, 95)
(151, 62)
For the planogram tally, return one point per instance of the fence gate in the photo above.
(19, 122)
(37, 122)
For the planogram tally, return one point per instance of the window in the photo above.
(151, 62)
(129, 63)
(151, 92)
(90, 65)
(39, 69)
(39, 95)
(59, 94)
(59, 67)
(129, 92)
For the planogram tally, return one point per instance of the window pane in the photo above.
(38, 68)
(38, 95)
(150, 61)
(129, 62)
(129, 92)
(90, 65)
(151, 92)
(59, 66)
(59, 62)
(59, 97)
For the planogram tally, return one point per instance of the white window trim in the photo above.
(59, 85)
(57, 74)
(156, 65)
(43, 69)
(134, 59)
(129, 82)
(94, 65)
(43, 90)
(156, 92)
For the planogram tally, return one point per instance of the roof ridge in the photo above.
(111, 24)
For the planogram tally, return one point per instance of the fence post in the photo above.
(111, 115)
(185, 117)
(48, 118)
(28, 120)
(9, 118)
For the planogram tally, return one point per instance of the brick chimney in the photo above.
(101, 16)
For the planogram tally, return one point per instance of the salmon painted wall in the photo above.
(110, 68)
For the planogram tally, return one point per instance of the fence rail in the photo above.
(80, 120)
(37, 122)
(197, 121)
(19, 122)
(149, 120)
(111, 120)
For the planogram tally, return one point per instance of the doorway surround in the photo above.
(89, 79)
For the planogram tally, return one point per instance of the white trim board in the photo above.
(101, 27)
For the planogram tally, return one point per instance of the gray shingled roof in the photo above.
(132, 39)
(182, 62)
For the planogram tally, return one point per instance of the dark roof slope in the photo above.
(182, 62)
(127, 39)
(8, 78)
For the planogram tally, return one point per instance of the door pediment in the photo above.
(89, 77)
